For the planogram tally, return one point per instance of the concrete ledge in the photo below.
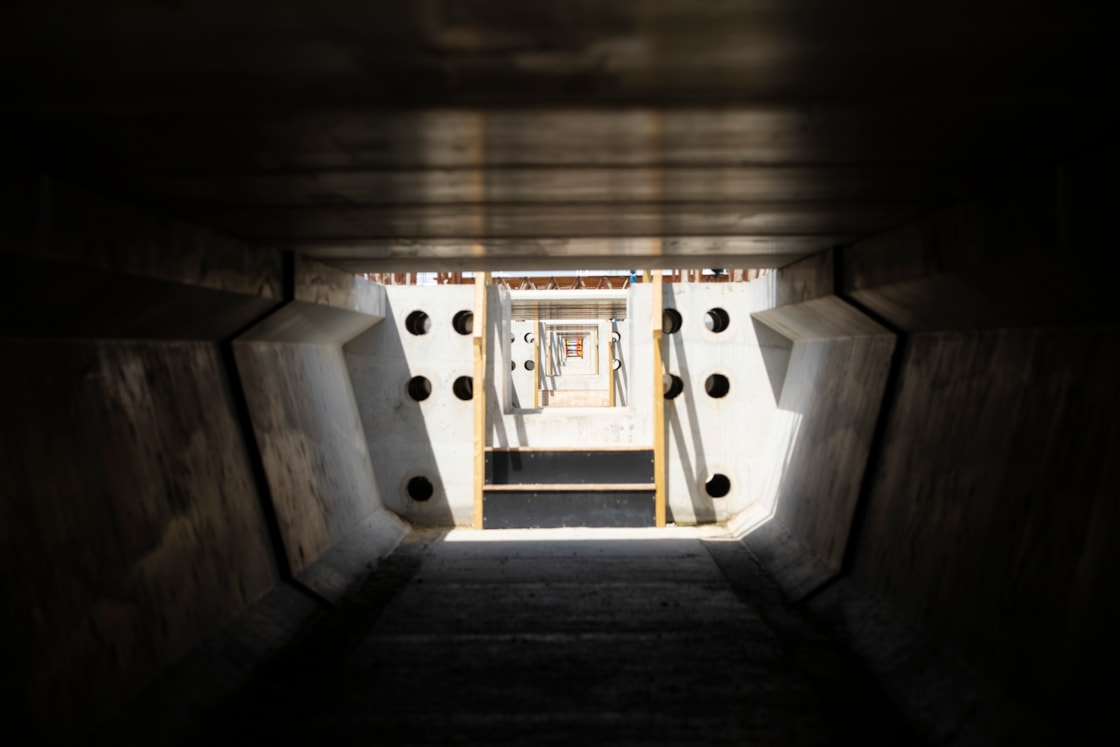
(47, 219)
(341, 569)
(330, 307)
(216, 669)
(1003, 260)
(950, 702)
(791, 564)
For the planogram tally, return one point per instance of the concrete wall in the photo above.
(706, 436)
(130, 524)
(993, 495)
(985, 519)
(432, 438)
(833, 385)
(305, 417)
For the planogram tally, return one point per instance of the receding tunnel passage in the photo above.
(670, 321)
(419, 388)
(463, 322)
(418, 323)
(420, 488)
(717, 386)
(716, 319)
(463, 387)
(672, 386)
(718, 485)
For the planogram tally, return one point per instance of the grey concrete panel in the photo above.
(820, 319)
(312, 445)
(90, 302)
(833, 391)
(994, 261)
(50, 219)
(309, 324)
(215, 670)
(130, 526)
(432, 438)
(316, 283)
(348, 563)
(991, 503)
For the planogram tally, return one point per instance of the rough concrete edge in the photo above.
(948, 701)
(945, 700)
(59, 221)
(797, 571)
(341, 569)
(215, 669)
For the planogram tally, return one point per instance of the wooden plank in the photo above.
(574, 487)
(658, 406)
(478, 334)
(564, 448)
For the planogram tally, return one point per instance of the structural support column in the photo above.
(658, 404)
(478, 334)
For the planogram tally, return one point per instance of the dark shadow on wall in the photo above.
(394, 421)
(776, 349)
(696, 469)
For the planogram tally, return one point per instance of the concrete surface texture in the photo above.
(131, 526)
(305, 420)
(932, 182)
(424, 430)
(651, 637)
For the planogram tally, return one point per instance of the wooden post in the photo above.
(478, 334)
(658, 405)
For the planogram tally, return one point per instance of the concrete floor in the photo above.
(562, 637)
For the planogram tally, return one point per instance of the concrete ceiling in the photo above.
(550, 133)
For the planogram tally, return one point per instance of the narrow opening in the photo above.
(716, 320)
(670, 321)
(463, 387)
(420, 488)
(419, 388)
(718, 485)
(529, 365)
(463, 322)
(418, 323)
(717, 386)
(672, 386)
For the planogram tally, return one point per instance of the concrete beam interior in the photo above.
(226, 457)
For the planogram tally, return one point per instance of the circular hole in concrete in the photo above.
(513, 365)
(716, 319)
(529, 365)
(670, 321)
(419, 388)
(718, 485)
(418, 323)
(717, 386)
(529, 337)
(616, 336)
(616, 364)
(420, 488)
(463, 322)
(463, 387)
(672, 386)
